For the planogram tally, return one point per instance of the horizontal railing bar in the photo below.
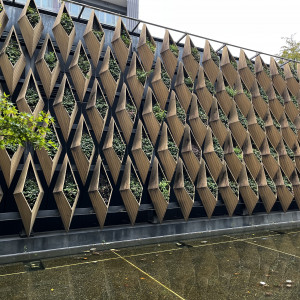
(179, 31)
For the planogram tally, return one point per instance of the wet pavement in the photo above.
(243, 266)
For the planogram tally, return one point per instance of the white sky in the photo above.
(255, 24)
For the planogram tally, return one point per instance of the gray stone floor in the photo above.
(247, 266)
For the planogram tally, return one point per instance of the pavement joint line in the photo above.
(133, 265)
(10, 274)
(268, 248)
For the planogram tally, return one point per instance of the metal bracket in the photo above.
(183, 36)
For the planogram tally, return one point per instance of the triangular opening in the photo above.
(172, 146)
(275, 122)
(233, 184)
(101, 103)
(97, 31)
(86, 143)
(217, 147)
(223, 116)
(180, 112)
(135, 185)
(68, 99)
(188, 184)
(163, 184)
(125, 36)
(104, 186)
(173, 47)
(211, 184)
(211, 88)
(159, 113)
(291, 124)
(11, 149)
(195, 147)
(32, 14)
(273, 151)
(195, 52)
(70, 187)
(50, 56)
(147, 146)
(118, 145)
(51, 137)
(114, 68)
(260, 121)
(202, 114)
(249, 64)
(188, 80)
(242, 118)
(149, 41)
(130, 107)
(31, 188)
(83, 62)
(32, 95)
(13, 50)
(252, 183)
(165, 77)
(66, 22)
(290, 152)
(214, 56)
(141, 73)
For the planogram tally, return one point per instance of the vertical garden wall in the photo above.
(145, 129)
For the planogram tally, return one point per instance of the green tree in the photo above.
(19, 128)
(290, 50)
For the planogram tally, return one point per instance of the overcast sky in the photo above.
(255, 24)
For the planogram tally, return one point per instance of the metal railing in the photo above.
(287, 60)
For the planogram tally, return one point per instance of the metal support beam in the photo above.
(220, 48)
(136, 26)
(81, 11)
(257, 53)
(183, 36)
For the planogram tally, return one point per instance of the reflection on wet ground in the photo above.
(241, 266)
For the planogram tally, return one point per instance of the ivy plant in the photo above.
(70, 188)
(172, 147)
(210, 86)
(84, 64)
(234, 64)
(32, 97)
(189, 83)
(98, 34)
(242, 118)
(271, 183)
(87, 145)
(118, 145)
(104, 187)
(217, 147)
(125, 38)
(294, 73)
(174, 49)
(280, 99)
(51, 60)
(135, 186)
(101, 106)
(239, 153)
(51, 136)
(31, 189)
(288, 184)
(68, 100)
(188, 184)
(19, 128)
(114, 69)
(266, 69)
(165, 77)
(230, 91)
(223, 117)
(280, 71)
(292, 125)
(147, 146)
(257, 154)
(202, 114)
(11, 149)
(13, 50)
(234, 186)
(211, 184)
(294, 100)
(142, 75)
(131, 109)
(260, 121)
(195, 54)
(150, 44)
(159, 113)
(250, 65)
(32, 15)
(290, 153)
(67, 23)
(180, 112)
(273, 152)
(263, 94)
(253, 185)
(164, 187)
(214, 56)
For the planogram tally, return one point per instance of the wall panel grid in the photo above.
(145, 129)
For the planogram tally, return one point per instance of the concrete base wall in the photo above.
(16, 248)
